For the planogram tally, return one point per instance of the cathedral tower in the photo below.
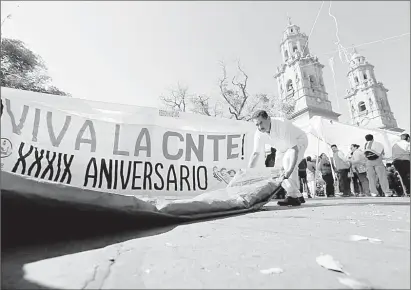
(367, 98)
(300, 79)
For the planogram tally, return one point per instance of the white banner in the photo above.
(120, 149)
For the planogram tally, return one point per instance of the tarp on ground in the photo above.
(126, 158)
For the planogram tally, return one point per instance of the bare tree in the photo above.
(242, 105)
(235, 94)
(257, 102)
(279, 107)
(203, 105)
(178, 99)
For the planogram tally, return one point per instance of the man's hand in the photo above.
(287, 174)
(284, 175)
(279, 178)
(253, 159)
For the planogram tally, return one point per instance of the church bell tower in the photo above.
(367, 98)
(300, 79)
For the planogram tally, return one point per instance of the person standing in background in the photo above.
(324, 166)
(270, 160)
(311, 176)
(358, 161)
(401, 157)
(394, 182)
(302, 176)
(354, 184)
(342, 166)
(376, 171)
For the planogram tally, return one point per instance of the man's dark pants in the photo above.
(344, 181)
(329, 184)
(302, 176)
(403, 168)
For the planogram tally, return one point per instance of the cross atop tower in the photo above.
(289, 20)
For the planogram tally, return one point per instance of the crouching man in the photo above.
(287, 139)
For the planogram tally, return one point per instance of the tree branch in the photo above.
(177, 99)
(233, 113)
(222, 86)
(243, 88)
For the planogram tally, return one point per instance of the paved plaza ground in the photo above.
(231, 252)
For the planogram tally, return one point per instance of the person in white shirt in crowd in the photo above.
(342, 166)
(401, 159)
(311, 175)
(376, 171)
(354, 183)
(302, 175)
(287, 139)
(358, 161)
(324, 167)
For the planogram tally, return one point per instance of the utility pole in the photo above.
(4, 20)
(8, 17)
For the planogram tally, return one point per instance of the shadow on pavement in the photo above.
(56, 230)
(338, 202)
(34, 230)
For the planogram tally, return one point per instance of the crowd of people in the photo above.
(361, 172)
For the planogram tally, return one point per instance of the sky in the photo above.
(133, 52)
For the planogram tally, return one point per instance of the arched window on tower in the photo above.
(312, 80)
(286, 54)
(365, 76)
(356, 80)
(295, 48)
(361, 107)
(290, 86)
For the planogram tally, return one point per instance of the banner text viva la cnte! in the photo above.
(121, 173)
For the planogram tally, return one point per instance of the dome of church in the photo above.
(355, 55)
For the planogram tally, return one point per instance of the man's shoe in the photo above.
(289, 201)
(302, 199)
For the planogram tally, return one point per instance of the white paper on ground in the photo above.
(353, 284)
(272, 271)
(400, 230)
(328, 262)
(356, 238)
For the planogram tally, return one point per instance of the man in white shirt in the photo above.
(401, 157)
(358, 161)
(342, 166)
(287, 139)
(376, 171)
